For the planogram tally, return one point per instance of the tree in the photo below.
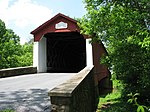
(124, 27)
(10, 47)
(26, 59)
(12, 54)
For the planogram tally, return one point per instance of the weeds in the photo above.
(133, 100)
(7, 110)
(112, 102)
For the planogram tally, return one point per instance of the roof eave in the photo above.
(47, 22)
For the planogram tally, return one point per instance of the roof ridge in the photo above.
(50, 20)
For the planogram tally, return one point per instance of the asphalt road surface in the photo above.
(29, 93)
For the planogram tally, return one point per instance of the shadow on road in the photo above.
(32, 100)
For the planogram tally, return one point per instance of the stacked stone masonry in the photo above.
(17, 71)
(79, 94)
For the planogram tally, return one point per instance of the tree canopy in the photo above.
(124, 27)
(12, 54)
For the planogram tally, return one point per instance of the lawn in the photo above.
(7, 110)
(112, 102)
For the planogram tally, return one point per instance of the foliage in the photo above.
(112, 102)
(10, 47)
(12, 54)
(8, 110)
(133, 100)
(124, 27)
(26, 59)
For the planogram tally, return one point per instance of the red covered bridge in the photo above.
(59, 47)
(65, 57)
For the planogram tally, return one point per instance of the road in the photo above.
(29, 93)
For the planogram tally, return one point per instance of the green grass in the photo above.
(7, 110)
(112, 102)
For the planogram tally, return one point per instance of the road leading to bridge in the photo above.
(29, 93)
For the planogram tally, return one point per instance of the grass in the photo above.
(112, 102)
(7, 110)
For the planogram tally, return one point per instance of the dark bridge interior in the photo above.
(66, 52)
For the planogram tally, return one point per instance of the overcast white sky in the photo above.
(23, 16)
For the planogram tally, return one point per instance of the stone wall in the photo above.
(79, 94)
(17, 71)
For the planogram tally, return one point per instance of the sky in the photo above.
(23, 16)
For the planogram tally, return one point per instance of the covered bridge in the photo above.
(60, 48)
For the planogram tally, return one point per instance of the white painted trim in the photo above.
(35, 54)
(40, 55)
(61, 25)
(89, 54)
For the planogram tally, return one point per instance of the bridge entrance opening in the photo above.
(66, 52)
(60, 48)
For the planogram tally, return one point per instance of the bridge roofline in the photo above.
(50, 26)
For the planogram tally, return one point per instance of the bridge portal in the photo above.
(66, 52)
(59, 47)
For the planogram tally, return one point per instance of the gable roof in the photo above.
(50, 21)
